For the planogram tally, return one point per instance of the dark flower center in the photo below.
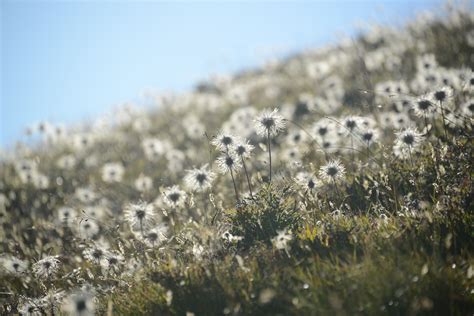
(350, 124)
(16, 266)
(226, 140)
(174, 196)
(113, 260)
(322, 131)
(311, 184)
(140, 214)
(201, 177)
(152, 236)
(47, 264)
(408, 139)
(471, 107)
(268, 122)
(332, 171)
(241, 150)
(424, 104)
(97, 254)
(440, 95)
(229, 161)
(368, 136)
(81, 305)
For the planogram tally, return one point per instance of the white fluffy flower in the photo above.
(269, 123)
(46, 267)
(174, 197)
(332, 171)
(199, 179)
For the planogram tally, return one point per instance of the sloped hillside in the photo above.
(338, 181)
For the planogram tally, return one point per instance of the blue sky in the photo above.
(66, 61)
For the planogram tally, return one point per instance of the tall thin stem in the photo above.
(335, 186)
(235, 186)
(248, 178)
(269, 155)
(411, 158)
(444, 120)
(142, 245)
(352, 154)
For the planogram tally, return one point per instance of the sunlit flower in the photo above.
(296, 137)
(269, 123)
(82, 141)
(307, 181)
(369, 136)
(332, 171)
(281, 240)
(95, 253)
(140, 215)
(243, 149)
(352, 123)
(426, 62)
(66, 162)
(442, 95)
(112, 172)
(47, 267)
(229, 162)
(143, 183)
(424, 106)
(224, 141)
(157, 235)
(79, 304)
(154, 148)
(67, 215)
(199, 179)
(112, 262)
(14, 265)
(85, 195)
(174, 197)
(407, 142)
(88, 228)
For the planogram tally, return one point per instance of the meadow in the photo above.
(335, 181)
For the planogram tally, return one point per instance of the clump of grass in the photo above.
(261, 218)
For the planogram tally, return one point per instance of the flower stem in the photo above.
(235, 187)
(248, 178)
(269, 155)
(444, 120)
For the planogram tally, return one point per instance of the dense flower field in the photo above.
(337, 181)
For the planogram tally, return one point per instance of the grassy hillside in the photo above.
(338, 181)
